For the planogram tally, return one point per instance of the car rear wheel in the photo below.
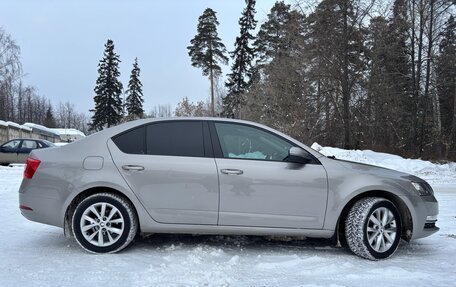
(104, 223)
(373, 228)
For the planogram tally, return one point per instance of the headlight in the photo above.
(423, 188)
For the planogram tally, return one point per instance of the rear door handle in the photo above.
(232, 171)
(133, 167)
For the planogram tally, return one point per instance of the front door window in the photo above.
(244, 142)
(12, 145)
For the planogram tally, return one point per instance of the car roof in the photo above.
(20, 139)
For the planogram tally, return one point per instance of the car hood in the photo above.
(377, 170)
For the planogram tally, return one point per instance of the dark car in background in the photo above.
(17, 150)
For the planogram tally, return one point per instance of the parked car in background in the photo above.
(219, 176)
(17, 150)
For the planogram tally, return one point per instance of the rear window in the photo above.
(180, 138)
(47, 143)
(132, 141)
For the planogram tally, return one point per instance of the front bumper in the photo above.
(427, 210)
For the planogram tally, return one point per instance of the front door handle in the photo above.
(133, 167)
(232, 171)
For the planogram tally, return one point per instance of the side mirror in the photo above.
(298, 155)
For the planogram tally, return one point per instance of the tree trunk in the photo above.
(212, 93)
(434, 98)
(345, 83)
(211, 76)
(452, 141)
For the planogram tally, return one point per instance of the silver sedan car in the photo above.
(219, 176)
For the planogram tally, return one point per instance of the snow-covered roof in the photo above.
(13, 124)
(26, 128)
(68, 132)
(39, 127)
(57, 132)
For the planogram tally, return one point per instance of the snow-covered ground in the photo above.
(33, 254)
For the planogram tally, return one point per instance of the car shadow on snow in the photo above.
(264, 245)
(269, 245)
(233, 243)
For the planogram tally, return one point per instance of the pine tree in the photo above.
(207, 50)
(278, 94)
(276, 35)
(337, 43)
(108, 90)
(398, 75)
(241, 71)
(446, 82)
(134, 102)
(49, 120)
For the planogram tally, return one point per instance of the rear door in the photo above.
(8, 151)
(24, 150)
(170, 166)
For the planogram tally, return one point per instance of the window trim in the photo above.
(218, 148)
(207, 142)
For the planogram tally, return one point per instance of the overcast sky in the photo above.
(62, 41)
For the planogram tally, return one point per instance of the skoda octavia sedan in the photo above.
(219, 176)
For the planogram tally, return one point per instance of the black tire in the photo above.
(365, 237)
(4, 164)
(124, 221)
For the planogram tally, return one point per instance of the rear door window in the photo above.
(28, 144)
(132, 141)
(176, 138)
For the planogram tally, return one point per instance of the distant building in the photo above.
(69, 135)
(11, 130)
(42, 132)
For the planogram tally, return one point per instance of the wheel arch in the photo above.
(406, 217)
(67, 227)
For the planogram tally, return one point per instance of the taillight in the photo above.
(31, 167)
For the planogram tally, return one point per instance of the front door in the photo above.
(258, 187)
(171, 168)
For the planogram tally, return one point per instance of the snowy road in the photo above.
(33, 254)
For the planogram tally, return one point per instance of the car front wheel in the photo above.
(104, 223)
(373, 228)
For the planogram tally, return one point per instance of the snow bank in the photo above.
(434, 173)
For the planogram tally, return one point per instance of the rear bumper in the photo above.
(45, 208)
